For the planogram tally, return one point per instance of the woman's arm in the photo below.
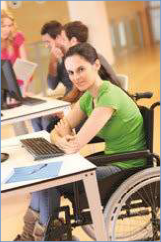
(99, 117)
(65, 126)
(75, 116)
(22, 52)
(92, 126)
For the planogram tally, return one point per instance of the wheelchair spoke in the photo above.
(136, 223)
(133, 211)
(136, 214)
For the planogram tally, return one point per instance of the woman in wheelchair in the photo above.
(112, 115)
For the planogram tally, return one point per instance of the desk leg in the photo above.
(91, 188)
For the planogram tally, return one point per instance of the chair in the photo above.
(131, 204)
(134, 198)
(123, 81)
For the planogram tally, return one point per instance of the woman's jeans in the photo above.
(40, 123)
(48, 201)
(45, 202)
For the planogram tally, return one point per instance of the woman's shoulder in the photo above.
(86, 97)
(109, 91)
(19, 38)
(105, 87)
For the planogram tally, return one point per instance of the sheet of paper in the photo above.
(6, 173)
(24, 69)
(40, 171)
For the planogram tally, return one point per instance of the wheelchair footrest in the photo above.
(59, 229)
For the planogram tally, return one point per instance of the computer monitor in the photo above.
(9, 81)
(11, 88)
(4, 85)
(4, 88)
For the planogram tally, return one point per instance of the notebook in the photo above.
(40, 171)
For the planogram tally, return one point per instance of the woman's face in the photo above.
(6, 28)
(81, 72)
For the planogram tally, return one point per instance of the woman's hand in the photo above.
(57, 52)
(63, 128)
(25, 90)
(73, 144)
(11, 101)
(27, 94)
(69, 144)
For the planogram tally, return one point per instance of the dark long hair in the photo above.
(89, 53)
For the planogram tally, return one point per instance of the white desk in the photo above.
(25, 112)
(74, 168)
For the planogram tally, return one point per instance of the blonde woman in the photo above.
(12, 47)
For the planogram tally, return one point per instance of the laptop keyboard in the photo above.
(40, 148)
(32, 100)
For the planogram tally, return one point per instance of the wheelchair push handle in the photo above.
(154, 105)
(140, 95)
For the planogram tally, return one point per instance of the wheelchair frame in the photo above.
(134, 181)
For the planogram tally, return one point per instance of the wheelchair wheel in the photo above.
(133, 211)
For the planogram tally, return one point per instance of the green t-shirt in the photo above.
(124, 131)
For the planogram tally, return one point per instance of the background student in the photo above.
(59, 39)
(12, 47)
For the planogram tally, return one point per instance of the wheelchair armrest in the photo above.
(140, 95)
(105, 159)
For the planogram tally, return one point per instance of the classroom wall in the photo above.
(118, 10)
(95, 16)
(30, 16)
(3, 5)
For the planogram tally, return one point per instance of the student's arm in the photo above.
(52, 81)
(92, 126)
(52, 78)
(55, 68)
(76, 115)
(66, 125)
(22, 52)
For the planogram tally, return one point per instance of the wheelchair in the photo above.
(130, 198)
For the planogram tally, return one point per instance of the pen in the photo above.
(34, 171)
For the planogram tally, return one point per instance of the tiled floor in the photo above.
(143, 70)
